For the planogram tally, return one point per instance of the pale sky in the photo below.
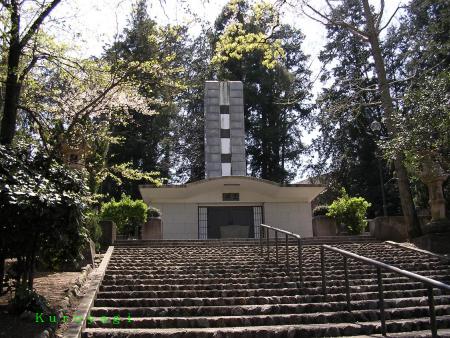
(92, 24)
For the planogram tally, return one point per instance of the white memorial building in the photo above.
(227, 203)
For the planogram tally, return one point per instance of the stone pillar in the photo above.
(224, 129)
(237, 129)
(432, 175)
(436, 233)
(89, 253)
(108, 233)
(436, 195)
(212, 130)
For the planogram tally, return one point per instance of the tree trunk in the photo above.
(13, 81)
(264, 148)
(406, 200)
(12, 93)
(282, 161)
(2, 273)
(32, 261)
(21, 272)
(30, 272)
(12, 88)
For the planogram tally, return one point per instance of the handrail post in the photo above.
(381, 301)
(287, 253)
(428, 282)
(261, 234)
(347, 284)
(268, 245)
(276, 245)
(322, 264)
(300, 261)
(433, 325)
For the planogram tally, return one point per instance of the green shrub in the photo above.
(153, 212)
(128, 214)
(349, 211)
(320, 210)
(42, 203)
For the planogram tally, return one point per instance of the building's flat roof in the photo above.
(251, 189)
(232, 177)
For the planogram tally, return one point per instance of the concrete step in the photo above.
(305, 330)
(443, 333)
(138, 285)
(236, 310)
(270, 319)
(259, 263)
(253, 300)
(240, 241)
(150, 279)
(262, 262)
(259, 292)
(309, 276)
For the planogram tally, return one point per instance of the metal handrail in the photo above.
(281, 230)
(430, 283)
(264, 229)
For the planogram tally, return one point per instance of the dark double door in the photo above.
(221, 217)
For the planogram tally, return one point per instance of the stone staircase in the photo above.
(225, 288)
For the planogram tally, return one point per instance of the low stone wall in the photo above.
(424, 219)
(234, 231)
(83, 308)
(437, 242)
(391, 228)
(324, 226)
(152, 229)
(109, 233)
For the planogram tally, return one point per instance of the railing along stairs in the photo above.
(346, 255)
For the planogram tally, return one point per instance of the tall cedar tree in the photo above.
(418, 53)
(347, 147)
(147, 140)
(370, 33)
(273, 98)
(189, 127)
(419, 47)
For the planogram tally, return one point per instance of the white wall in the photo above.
(294, 217)
(179, 220)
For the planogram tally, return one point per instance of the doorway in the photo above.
(229, 222)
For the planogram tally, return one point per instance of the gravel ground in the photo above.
(51, 285)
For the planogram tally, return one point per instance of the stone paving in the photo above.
(227, 289)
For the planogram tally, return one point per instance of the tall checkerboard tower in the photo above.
(224, 129)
